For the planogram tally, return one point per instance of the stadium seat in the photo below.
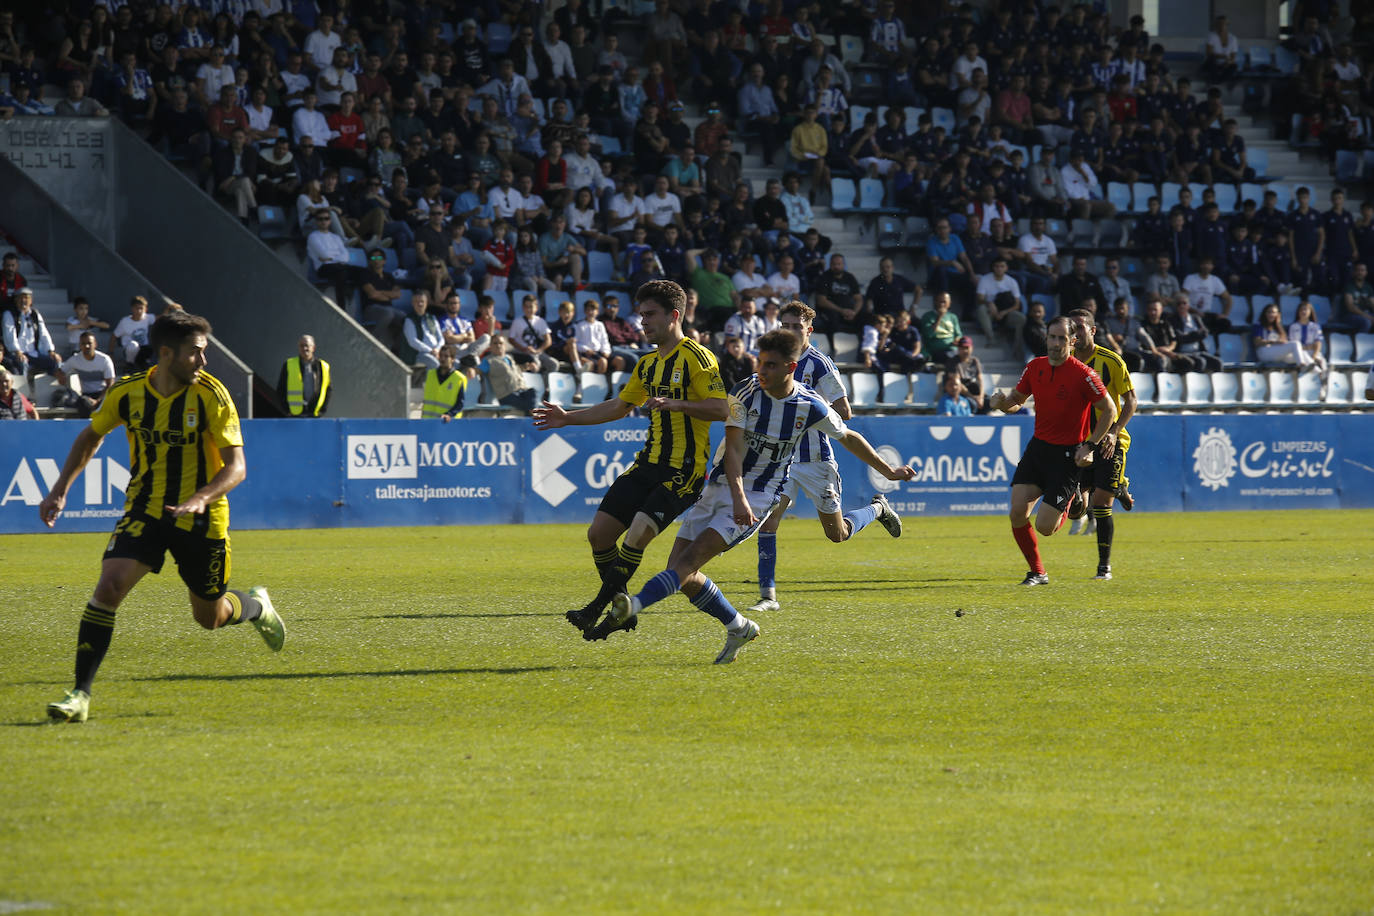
(1168, 195)
(498, 37)
(501, 309)
(1347, 165)
(1227, 198)
(467, 304)
(562, 387)
(1288, 309)
(863, 387)
(871, 192)
(517, 302)
(1141, 192)
(1144, 384)
(917, 231)
(851, 49)
(582, 295)
(1281, 386)
(1082, 233)
(552, 300)
(272, 223)
(600, 267)
(889, 233)
(843, 194)
(1049, 302)
(618, 380)
(1283, 194)
(1359, 384)
(896, 388)
(1170, 389)
(1197, 188)
(1234, 349)
(1338, 390)
(1321, 305)
(610, 146)
(1253, 389)
(1225, 389)
(403, 301)
(1252, 191)
(1309, 388)
(1260, 59)
(822, 343)
(535, 381)
(1119, 195)
(942, 117)
(1058, 230)
(1286, 60)
(913, 118)
(1197, 388)
(1364, 348)
(1340, 349)
(357, 257)
(1111, 233)
(925, 389)
(594, 388)
(846, 348)
(857, 113)
(1259, 161)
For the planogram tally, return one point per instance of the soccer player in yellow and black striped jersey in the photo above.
(186, 454)
(680, 385)
(1108, 470)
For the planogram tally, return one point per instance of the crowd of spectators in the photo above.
(499, 148)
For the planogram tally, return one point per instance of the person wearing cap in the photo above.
(28, 344)
(710, 132)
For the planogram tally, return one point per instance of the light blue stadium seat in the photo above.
(1227, 198)
(1259, 161)
(1234, 349)
(1119, 195)
(1144, 384)
(943, 117)
(467, 304)
(1309, 388)
(1253, 388)
(896, 388)
(600, 267)
(1364, 348)
(1321, 305)
(1341, 349)
(1338, 389)
(1288, 309)
(863, 388)
(594, 388)
(1141, 192)
(925, 389)
(1197, 388)
(1169, 389)
(562, 387)
(846, 347)
(1252, 191)
(1282, 386)
(1168, 195)
(842, 195)
(1225, 389)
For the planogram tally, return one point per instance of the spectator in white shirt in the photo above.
(584, 170)
(663, 206)
(131, 332)
(504, 199)
(746, 325)
(593, 344)
(96, 372)
(328, 254)
(627, 209)
(999, 304)
(320, 44)
(561, 59)
(961, 74)
(785, 284)
(212, 76)
(1083, 190)
(748, 282)
(1209, 297)
(507, 87)
(335, 80)
(309, 122)
(1039, 258)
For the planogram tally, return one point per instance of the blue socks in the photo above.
(710, 600)
(862, 518)
(768, 563)
(659, 587)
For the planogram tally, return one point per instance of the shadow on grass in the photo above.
(326, 675)
(491, 616)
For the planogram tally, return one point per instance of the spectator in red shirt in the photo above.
(10, 278)
(499, 256)
(225, 116)
(1065, 391)
(1121, 101)
(349, 145)
(551, 178)
(1012, 111)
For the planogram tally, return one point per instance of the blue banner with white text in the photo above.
(338, 473)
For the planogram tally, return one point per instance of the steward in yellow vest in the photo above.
(304, 381)
(445, 388)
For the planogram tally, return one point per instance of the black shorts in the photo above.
(660, 492)
(202, 562)
(1051, 468)
(1106, 473)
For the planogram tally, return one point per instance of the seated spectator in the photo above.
(1049, 197)
(1357, 301)
(13, 404)
(76, 104)
(1190, 335)
(887, 291)
(1038, 259)
(459, 334)
(593, 345)
(839, 299)
(563, 329)
(954, 402)
(348, 138)
(874, 341)
(1158, 339)
(23, 102)
(445, 388)
(137, 97)
(940, 329)
(999, 303)
(95, 373)
(785, 284)
(1209, 297)
(628, 342)
(901, 351)
(746, 325)
(1223, 52)
(1083, 190)
(1035, 334)
(420, 334)
(1272, 346)
(506, 380)
(948, 263)
(1307, 333)
(529, 264)
(1114, 286)
(531, 339)
(810, 143)
(80, 321)
(236, 168)
(718, 297)
(1123, 334)
(1077, 286)
(736, 364)
(303, 384)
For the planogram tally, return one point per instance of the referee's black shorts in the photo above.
(1051, 468)
(659, 491)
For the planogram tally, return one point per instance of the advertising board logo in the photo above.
(545, 460)
(382, 457)
(1214, 459)
(987, 455)
(878, 481)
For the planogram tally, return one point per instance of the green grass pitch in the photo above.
(1192, 737)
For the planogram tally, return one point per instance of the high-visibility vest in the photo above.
(441, 397)
(295, 389)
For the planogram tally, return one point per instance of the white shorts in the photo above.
(716, 510)
(820, 480)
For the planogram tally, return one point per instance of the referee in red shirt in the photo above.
(1065, 392)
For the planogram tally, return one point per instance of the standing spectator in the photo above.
(13, 404)
(1338, 243)
(445, 388)
(303, 384)
(27, 340)
(1306, 239)
(421, 334)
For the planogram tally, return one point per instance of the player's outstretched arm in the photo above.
(231, 475)
(83, 449)
(552, 416)
(860, 448)
(712, 409)
(1007, 401)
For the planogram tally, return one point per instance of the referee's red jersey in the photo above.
(1062, 395)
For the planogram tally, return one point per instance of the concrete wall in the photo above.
(81, 262)
(200, 254)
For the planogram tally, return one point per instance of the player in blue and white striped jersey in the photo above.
(769, 415)
(814, 469)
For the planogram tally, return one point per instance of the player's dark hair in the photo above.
(803, 311)
(783, 343)
(1085, 315)
(1069, 329)
(174, 327)
(666, 293)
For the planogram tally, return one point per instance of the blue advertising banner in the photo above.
(335, 473)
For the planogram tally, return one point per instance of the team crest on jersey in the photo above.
(677, 376)
(806, 379)
(191, 419)
(801, 424)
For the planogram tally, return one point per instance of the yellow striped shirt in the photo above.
(686, 372)
(1117, 380)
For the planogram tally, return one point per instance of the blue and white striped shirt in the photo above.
(817, 371)
(772, 430)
